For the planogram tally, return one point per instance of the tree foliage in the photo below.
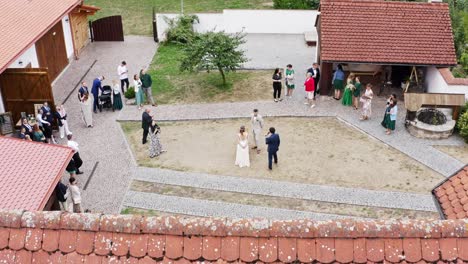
(459, 18)
(180, 29)
(296, 4)
(214, 51)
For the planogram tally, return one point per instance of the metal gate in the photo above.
(107, 29)
(25, 87)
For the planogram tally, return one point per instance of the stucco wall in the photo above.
(437, 84)
(249, 21)
(29, 56)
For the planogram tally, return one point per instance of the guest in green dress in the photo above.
(38, 136)
(337, 81)
(289, 80)
(348, 93)
(356, 93)
(138, 91)
(391, 112)
(117, 95)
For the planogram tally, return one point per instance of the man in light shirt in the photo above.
(123, 75)
(76, 156)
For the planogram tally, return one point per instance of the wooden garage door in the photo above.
(22, 88)
(51, 51)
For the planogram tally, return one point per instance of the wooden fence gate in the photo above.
(107, 29)
(22, 88)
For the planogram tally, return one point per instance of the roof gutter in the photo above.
(3, 67)
(390, 63)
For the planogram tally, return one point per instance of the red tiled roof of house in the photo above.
(29, 172)
(25, 21)
(93, 238)
(450, 79)
(386, 32)
(452, 196)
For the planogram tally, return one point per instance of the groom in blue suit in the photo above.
(273, 142)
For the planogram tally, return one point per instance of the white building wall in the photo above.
(436, 84)
(249, 21)
(29, 56)
(2, 107)
(67, 35)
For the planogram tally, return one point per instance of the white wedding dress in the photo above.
(242, 153)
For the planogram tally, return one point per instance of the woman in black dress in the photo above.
(277, 85)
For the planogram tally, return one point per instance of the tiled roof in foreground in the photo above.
(452, 195)
(56, 237)
(386, 32)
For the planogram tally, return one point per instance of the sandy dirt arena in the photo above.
(313, 150)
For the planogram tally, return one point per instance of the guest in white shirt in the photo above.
(40, 121)
(123, 75)
(76, 156)
(75, 195)
(61, 116)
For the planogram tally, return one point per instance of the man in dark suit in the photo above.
(97, 86)
(273, 142)
(146, 121)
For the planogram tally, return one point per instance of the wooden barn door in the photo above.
(22, 88)
(107, 29)
(79, 25)
(51, 51)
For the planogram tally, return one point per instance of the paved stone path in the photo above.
(355, 196)
(105, 142)
(196, 207)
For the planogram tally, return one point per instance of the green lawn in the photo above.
(137, 13)
(173, 86)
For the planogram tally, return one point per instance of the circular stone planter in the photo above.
(423, 130)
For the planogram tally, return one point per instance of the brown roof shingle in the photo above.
(29, 172)
(93, 238)
(452, 196)
(386, 32)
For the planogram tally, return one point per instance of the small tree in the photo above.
(180, 29)
(214, 50)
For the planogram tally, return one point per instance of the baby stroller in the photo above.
(105, 100)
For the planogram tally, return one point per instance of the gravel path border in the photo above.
(204, 208)
(323, 193)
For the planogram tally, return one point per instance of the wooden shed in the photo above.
(79, 26)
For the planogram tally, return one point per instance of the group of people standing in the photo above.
(271, 139)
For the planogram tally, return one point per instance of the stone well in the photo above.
(420, 129)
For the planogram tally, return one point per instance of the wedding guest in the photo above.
(155, 142)
(390, 117)
(38, 136)
(146, 122)
(49, 118)
(82, 91)
(22, 134)
(95, 89)
(277, 85)
(117, 95)
(242, 150)
(389, 99)
(315, 71)
(309, 85)
(257, 125)
(348, 93)
(123, 75)
(289, 79)
(366, 100)
(86, 110)
(337, 81)
(273, 141)
(27, 127)
(146, 83)
(40, 121)
(138, 91)
(76, 153)
(61, 117)
(356, 93)
(75, 195)
(62, 195)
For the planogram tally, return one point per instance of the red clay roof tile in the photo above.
(452, 204)
(379, 241)
(7, 256)
(376, 32)
(192, 247)
(4, 235)
(23, 256)
(211, 248)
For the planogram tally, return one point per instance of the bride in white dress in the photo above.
(242, 153)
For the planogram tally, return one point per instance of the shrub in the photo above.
(462, 125)
(130, 93)
(296, 4)
(181, 29)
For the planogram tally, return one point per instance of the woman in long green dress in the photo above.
(348, 92)
(289, 80)
(117, 95)
(138, 91)
(357, 93)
